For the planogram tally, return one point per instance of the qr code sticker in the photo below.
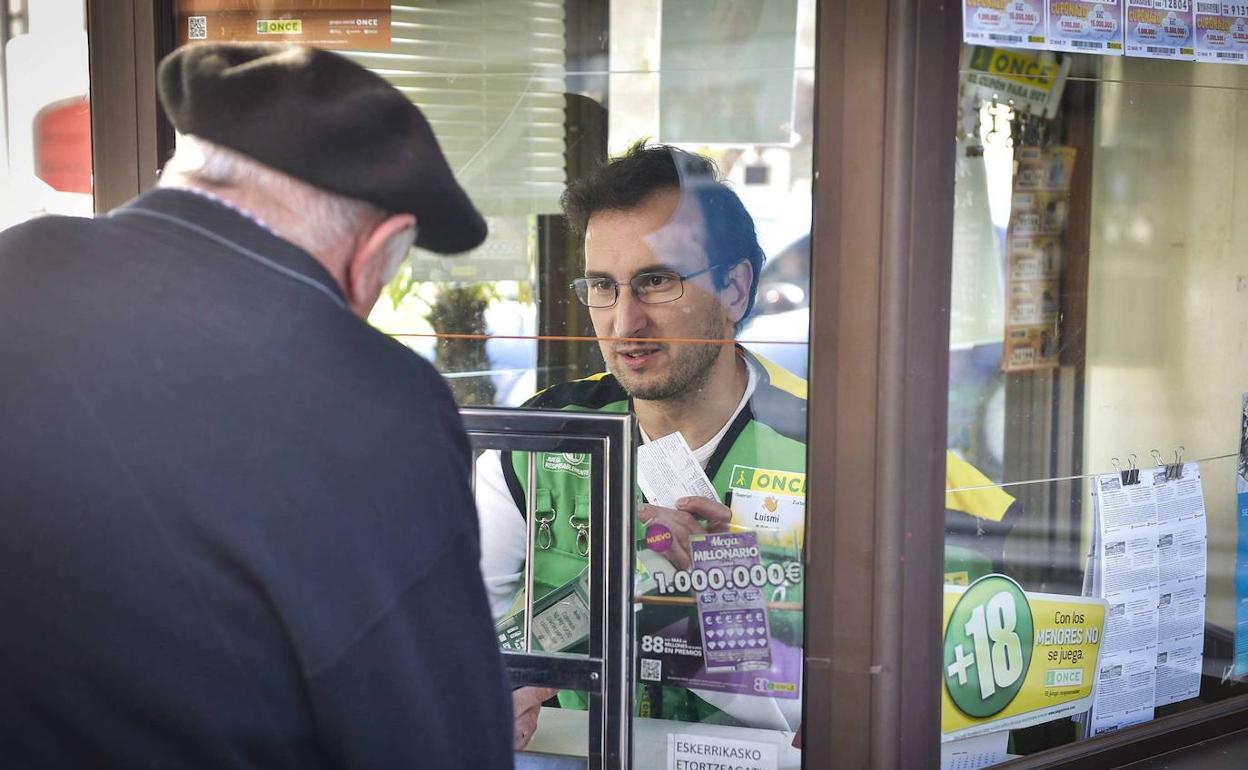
(197, 27)
(651, 670)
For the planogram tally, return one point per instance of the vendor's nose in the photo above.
(630, 314)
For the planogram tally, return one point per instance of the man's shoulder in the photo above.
(392, 377)
(46, 232)
(598, 392)
(50, 223)
(776, 377)
(779, 399)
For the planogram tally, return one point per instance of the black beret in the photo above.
(326, 120)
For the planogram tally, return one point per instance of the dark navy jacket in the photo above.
(236, 528)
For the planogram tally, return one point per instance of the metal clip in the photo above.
(545, 537)
(1174, 471)
(1129, 475)
(580, 520)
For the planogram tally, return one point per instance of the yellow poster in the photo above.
(1033, 81)
(1014, 658)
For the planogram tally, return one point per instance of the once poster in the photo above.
(1032, 80)
(343, 24)
(1015, 658)
(731, 624)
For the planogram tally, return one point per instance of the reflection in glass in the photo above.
(707, 343)
(45, 134)
(736, 418)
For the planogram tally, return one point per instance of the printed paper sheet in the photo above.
(1161, 29)
(1241, 559)
(1087, 26)
(1149, 563)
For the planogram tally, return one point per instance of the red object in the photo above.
(63, 145)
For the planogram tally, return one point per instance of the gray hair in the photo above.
(326, 222)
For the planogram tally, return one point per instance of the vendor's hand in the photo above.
(526, 705)
(691, 516)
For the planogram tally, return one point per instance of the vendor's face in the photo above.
(658, 361)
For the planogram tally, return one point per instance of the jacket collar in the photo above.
(172, 205)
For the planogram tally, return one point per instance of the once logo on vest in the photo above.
(768, 480)
(567, 462)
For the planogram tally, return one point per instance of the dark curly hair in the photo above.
(630, 179)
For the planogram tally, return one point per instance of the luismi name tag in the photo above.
(768, 500)
(766, 510)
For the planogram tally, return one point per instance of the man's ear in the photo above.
(370, 262)
(735, 292)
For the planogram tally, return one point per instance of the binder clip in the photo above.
(1174, 470)
(1129, 475)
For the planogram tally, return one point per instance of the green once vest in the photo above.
(768, 434)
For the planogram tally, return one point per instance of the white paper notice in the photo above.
(1182, 545)
(975, 752)
(668, 471)
(1178, 669)
(693, 752)
(1126, 563)
(1125, 691)
(1149, 563)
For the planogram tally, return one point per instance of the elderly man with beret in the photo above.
(236, 528)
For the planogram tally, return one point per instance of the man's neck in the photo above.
(699, 415)
(269, 211)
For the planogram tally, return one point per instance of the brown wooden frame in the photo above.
(128, 135)
(885, 117)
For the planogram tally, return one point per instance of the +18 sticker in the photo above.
(988, 645)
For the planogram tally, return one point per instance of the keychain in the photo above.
(580, 520)
(545, 536)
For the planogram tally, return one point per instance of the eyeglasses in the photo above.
(654, 288)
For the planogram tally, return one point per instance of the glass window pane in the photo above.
(1097, 315)
(46, 130)
(528, 99)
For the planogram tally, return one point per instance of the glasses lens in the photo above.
(595, 292)
(656, 288)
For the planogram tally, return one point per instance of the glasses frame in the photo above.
(633, 286)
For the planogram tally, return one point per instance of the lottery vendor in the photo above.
(672, 262)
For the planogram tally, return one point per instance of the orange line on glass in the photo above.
(565, 338)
